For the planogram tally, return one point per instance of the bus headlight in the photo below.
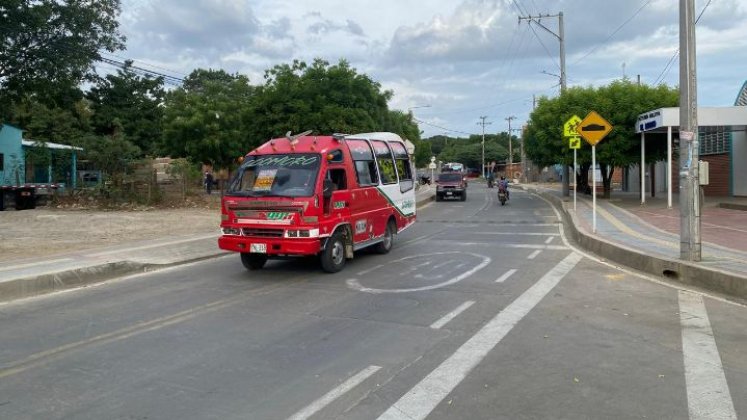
(302, 233)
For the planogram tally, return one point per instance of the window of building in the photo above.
(714, 140)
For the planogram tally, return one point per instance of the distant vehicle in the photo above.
(451, 185)
(473, 173)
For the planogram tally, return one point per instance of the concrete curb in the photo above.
(711, 279)
(85, 276)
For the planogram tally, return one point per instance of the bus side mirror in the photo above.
(327, 189)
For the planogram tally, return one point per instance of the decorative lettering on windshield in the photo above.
(285, 161)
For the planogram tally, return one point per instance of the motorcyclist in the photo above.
(503, 186)
(491, 179)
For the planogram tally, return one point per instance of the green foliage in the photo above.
(131, 102)
(620, 103)
(48, 46)
(49, 123)
(326, 99)
(205, 119)
(110, 154)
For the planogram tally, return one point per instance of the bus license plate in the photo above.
(258, 248)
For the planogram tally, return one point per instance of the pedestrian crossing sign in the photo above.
(574, 142)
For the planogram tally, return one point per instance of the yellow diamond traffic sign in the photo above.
(594, 128)
(569, 128)
(574, 142)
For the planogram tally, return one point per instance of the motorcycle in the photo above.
(491, 182)
(425, 180)
(502, 195)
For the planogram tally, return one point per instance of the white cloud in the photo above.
(464, 58)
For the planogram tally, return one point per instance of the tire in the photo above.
(463, 197)
(333, 256)
(253, 261)
(385, 246)
(438, 197)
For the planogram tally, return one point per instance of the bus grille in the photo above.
(262, 233)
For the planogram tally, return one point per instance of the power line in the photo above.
(614, 32)
(549, 54)
(664, 73)
(442, 128)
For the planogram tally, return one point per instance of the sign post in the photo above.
(593, 129)
(574, 142)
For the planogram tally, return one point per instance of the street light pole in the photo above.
(483, 123)
(510, 147)
(561, 37)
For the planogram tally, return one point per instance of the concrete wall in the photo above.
(739, 163)
(13, 157)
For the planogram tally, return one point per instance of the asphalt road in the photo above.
(480, 311)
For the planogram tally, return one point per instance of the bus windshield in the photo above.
(283, 175)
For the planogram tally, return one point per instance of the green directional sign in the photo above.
(574, 142)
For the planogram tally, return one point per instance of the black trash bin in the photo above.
(25, 198)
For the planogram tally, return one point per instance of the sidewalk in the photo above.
(27, 277)
(646, 237)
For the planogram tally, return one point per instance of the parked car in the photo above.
(451, 185)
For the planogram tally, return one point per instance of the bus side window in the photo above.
(338, 178)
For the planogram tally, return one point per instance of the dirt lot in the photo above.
(47, 231)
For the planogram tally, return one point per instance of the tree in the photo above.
(131, 102)
(326, 99)
(205, 118)
(49, 46)
(110, 154)
(620, 103)
(49, 123)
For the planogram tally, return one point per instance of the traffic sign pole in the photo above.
(575, 181)
(594, 189)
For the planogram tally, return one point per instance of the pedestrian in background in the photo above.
(208, 182)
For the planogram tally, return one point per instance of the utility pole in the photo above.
(483, 124)
(510, 147)
(690, 245)
(561, 37)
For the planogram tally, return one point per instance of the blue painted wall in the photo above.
(13, 170)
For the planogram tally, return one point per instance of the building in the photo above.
(56, 163)
(722, 143)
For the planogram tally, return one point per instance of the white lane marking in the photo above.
(516, 233)
(45, 263)
(424, 397)
(332, 395)
(506, 275)
(518, 246)
(548, 240)
(453, 314)
(356, 285)
(708, 394)
(533, 255)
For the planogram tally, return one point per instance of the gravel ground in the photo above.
(46, 231)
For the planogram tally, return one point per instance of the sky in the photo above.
(449, 62)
